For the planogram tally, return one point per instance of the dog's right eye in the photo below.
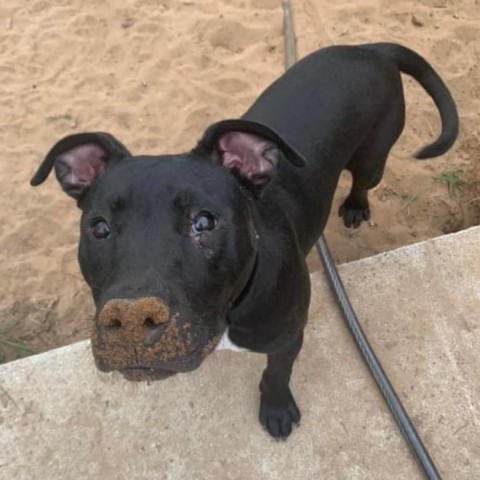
(100, 228)
(203, 222)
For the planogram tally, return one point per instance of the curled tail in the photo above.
(414, 65)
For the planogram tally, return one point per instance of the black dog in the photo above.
(180, 249)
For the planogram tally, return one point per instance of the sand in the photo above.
(156, 74)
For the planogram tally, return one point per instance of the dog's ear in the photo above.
(79, 160)
(250, 149)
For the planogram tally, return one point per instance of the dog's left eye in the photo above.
(100, 228)
(203, 222)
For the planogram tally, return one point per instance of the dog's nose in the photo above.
(135, 321)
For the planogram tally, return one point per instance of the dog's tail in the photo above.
(414, 65)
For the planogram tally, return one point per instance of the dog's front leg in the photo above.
(278, 409)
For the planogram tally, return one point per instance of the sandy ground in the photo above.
(156, 74)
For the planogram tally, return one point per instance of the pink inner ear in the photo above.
(78, 168)
(251, 156)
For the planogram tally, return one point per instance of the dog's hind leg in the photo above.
(368, 163)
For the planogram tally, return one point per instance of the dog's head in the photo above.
(167, 243)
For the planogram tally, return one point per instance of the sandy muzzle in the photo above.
(120, 340)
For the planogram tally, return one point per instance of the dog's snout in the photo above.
(141, 320)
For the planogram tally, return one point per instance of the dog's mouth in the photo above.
(139, 374)
(156, 362)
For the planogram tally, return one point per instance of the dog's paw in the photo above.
(278, 419)
(353, 217)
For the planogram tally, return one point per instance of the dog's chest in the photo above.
(226, 344)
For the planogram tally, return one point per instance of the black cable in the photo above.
(405, 424)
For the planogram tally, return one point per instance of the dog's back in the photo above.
(343, 107)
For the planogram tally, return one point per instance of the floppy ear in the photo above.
(250, 149)
(79, 160)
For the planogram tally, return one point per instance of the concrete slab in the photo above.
(61, 419)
